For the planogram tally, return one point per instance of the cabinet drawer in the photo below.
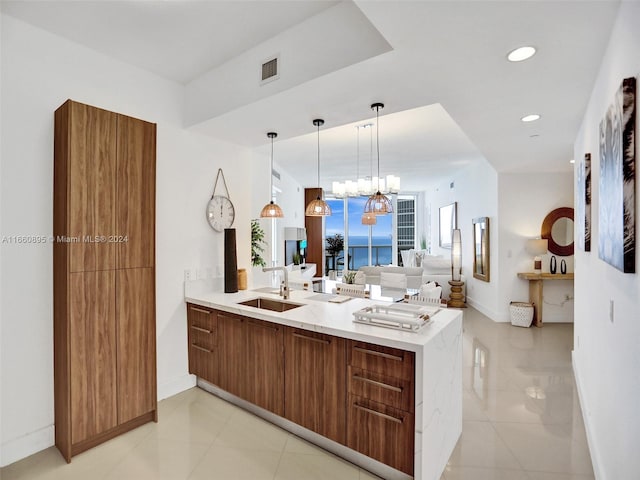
(203, 362)
(381, 432)
(391, 391)
(387, 361)
(203, 327)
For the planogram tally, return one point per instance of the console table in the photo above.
(535, 290)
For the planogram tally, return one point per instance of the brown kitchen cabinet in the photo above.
(265, 365)
(104, 275)
(246, 361)
(315, 384)
(381, 404)
(358, 394)
(203, 342)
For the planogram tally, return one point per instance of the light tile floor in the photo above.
(521, 421)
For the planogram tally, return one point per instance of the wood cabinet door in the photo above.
(136, 194)
(92, 353)
(136, 327)
(315, 382)
(91, 188)
(232, 354)
(265, 365)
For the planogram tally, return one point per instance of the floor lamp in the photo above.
(456, 300)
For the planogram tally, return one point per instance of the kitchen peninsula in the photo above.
(387, 400)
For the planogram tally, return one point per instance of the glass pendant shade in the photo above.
(369, 219)
(271, 209)
(318, 207)
(378, 204)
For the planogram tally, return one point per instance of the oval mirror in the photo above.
(557, 227)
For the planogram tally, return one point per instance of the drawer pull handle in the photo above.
(200, 348)
(379, 414)
(200, 329)
(378, 354)
(378, 384)
(313, 339)
(263, 325)
(201, 310)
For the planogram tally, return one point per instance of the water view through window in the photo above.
(358, 236)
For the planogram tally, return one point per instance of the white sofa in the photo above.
(416, 276)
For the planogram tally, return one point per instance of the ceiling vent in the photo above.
(271, 69)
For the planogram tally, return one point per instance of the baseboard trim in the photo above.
(22, 447)
(26, 445)
(591, 442)
(175, 386)
(493, 315)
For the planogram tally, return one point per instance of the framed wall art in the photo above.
(616, 203)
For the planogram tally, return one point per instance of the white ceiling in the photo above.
(451, 97)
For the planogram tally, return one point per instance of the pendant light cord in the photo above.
(358, 156)
(318, 154)
(378, 143)
(271, 173)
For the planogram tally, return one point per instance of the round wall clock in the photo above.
(220, 210)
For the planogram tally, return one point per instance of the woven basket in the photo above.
(521, 314)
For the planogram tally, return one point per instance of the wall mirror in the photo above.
(481, 248)
(557, 227)
(447, 223)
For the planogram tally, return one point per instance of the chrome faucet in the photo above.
(284, 286)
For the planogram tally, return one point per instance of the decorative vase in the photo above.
(553, 265)
(563, 267)
(242, 279)
(230, 261)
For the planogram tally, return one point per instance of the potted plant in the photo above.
(335, 244)
(349, 277)
(257, 242)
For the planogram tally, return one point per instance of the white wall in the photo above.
(516, 205)
(476, 191)
(606, 354)
(290, 198)
(39, 72)
(524, 202)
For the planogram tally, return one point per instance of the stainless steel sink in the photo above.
(270, 304)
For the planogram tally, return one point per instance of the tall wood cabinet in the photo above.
(104, 275)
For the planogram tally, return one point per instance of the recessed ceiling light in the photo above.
(530, 118)
(572, 161)
(520, 54)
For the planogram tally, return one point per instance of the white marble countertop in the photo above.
(318, 315)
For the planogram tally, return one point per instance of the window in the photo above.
(364, 246)
(406, 234)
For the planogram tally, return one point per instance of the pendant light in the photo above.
(367, 217)
(271, 209)
(378, 204)
(318, 207)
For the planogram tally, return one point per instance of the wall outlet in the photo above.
(187, 275)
